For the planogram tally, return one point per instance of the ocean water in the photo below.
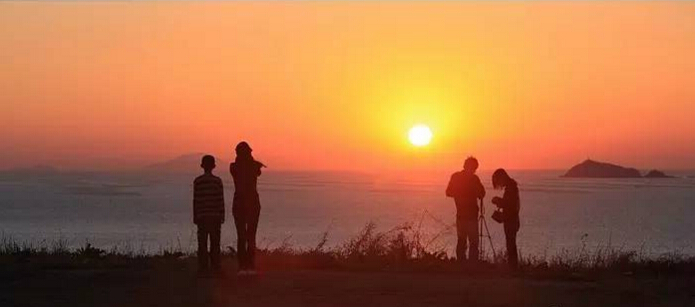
(139, 211)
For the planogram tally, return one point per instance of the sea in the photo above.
(151, 212)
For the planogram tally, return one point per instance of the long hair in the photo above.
(499, 177)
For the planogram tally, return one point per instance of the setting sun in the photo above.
(420, 135)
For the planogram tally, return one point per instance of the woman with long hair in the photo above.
(509, 204)
(246, 207)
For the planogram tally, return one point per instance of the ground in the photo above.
(176, 284)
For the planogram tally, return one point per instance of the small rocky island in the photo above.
(595, 169)
(656, 174)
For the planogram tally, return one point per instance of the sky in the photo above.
(337, 85)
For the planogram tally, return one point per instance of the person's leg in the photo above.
(240, 224)
(252, 225)
(215, 246)
(512, 253)
(461, 240)
(202, 248)
(474, 239)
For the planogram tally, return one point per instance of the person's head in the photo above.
(207, 163)
(500, 178)
(470, 165)
(243, 149)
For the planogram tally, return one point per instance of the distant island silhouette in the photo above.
(38, 169)
(595, 169)
(656, 174)
(187, 163)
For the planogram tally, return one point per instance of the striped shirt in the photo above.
(208, 199)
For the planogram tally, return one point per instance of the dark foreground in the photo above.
(174, 283)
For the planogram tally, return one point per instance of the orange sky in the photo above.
(316, 85)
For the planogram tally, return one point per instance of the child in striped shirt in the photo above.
(208, 215)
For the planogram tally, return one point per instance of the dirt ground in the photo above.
(179, 286)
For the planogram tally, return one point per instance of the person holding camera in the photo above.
(246, 207)
(508, 212)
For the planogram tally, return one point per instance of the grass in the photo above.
(403, 248)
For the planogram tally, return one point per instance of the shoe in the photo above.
(242, 273)
(251, 272)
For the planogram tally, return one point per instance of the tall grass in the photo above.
(405, 247)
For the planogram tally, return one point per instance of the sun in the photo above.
(420, 135)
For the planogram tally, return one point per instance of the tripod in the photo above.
(482, 224)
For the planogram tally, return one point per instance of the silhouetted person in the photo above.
(247, 206)
(208, 215)
(465, 187)
(510, 205)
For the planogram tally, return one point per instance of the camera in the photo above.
(498, 216)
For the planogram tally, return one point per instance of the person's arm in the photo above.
(450, 187)
(259, 165)
(222, 200)
(499, 202)
(509, 198)
(481, 188)
(195, 201)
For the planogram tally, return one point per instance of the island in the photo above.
(595, 169)
(656, 174)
